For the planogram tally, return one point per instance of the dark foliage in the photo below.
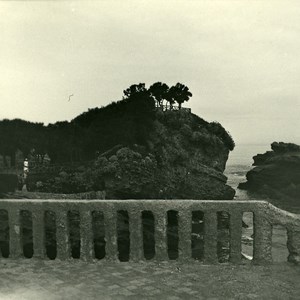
(125, 122)
(180, 93)
(217, 129)
(8, 182)
(159, 91)
(155, 136)
(23, 135)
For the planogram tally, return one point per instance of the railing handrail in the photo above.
(274, 213)
(144, 201)
(281, 217)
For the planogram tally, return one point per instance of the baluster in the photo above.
(262, 248)
(293, 245)
(38, 234)
(111, 247)
(185, 235)
(86, 236)
(161, 251)
(236, 219)
(15, 236)
(210, 237)
(136, 235)
(62, 235)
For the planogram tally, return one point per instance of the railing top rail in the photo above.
(282, 217)
(141, 201)
(271, 212)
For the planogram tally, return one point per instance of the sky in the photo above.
(240, 59)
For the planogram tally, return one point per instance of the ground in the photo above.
(51, 280)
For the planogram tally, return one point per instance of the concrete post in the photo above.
(185, 235)
(161, 251)
(38, 234)
(262, 248)
(293, 245)
(62, 235)
(110, 223)
(210, 237)
(136, 236)
(15, 234)
(86, 236)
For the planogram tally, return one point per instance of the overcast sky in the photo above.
(240, 59)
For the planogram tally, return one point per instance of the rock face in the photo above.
(181, 156)
(276, 173)
(183, 160)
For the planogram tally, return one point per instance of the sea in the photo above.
(239, 163)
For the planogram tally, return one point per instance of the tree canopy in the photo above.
(125, 122)
(161, 92)
(181, 93)
(134, 90)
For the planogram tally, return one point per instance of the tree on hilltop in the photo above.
(171, 96)
(180, 93)
(134, 89)
(159, 91)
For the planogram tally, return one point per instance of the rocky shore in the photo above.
(276, 173)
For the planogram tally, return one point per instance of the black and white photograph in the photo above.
(149, 149)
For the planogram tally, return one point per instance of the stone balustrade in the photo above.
(265, 216)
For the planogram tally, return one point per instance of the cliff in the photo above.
(276, 173)
(182, 160)
(183, 157)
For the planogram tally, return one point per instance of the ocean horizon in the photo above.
(243, 154)
(240, 162)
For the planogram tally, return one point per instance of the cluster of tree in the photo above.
(161, 93)
(19, 134)
(126, 122)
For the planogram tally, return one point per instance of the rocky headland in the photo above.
(182, 160)
(183, 157)
(276, 173)
(135, 148)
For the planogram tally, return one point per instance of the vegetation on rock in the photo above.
(130, 148)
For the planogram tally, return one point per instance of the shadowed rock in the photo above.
(277, 172)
